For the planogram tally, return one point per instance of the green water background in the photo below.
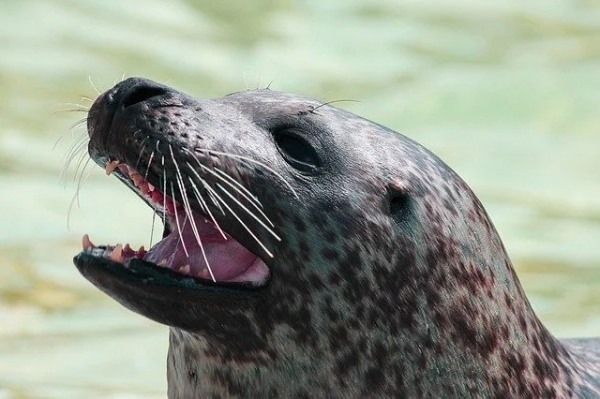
(507, 94)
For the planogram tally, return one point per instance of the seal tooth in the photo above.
(150, 187)
(137, 179)
(204, 273)
(127, 250)
(86, 243)
(185, 269)
(117, 253)
(111, 166)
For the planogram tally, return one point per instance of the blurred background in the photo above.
(507, 94)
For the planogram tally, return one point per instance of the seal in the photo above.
(309, 252)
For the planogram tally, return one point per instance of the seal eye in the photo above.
(296, 151)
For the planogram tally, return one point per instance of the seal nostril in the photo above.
(141, 93)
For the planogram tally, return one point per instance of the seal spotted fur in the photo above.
(369, 266)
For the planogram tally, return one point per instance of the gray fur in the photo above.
(390, 279)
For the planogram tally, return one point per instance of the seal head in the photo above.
(309, 252)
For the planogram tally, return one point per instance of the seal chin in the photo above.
(163, 295)
(195, 258)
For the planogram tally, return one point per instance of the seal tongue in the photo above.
(209, 255)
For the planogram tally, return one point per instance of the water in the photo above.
(507, 94)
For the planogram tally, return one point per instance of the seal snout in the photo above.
(126, 94)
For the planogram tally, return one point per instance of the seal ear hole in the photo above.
(296, 150)
(400, 205)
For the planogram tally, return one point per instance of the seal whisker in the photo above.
(178, 172)
(69, 110)
(207, 169)
(81, 136)
(149, 164)
(78, 124)
(77, 148)
(82, 157)
(333, 102)
(204, 206)
(215, 202)
(182, 192)
(210, 193)
(250, 196)
(80, 107)
(93, 85)
(82, 179)
(179, 230)
(181, 241)
(141, 145)
(164, 174)
(248, 212)
(259, 81)
(245, 193)
(70, 209)
(152, 229)
(75, 199)
(188, 210)
(250, 160)
(77, 145)
(245, 80)
(75, 141)
(86, 98)
(258, 241)
(251, 199)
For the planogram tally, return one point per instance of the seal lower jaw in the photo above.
(165, 296)
(194, 253)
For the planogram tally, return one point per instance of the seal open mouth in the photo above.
(195, 247)
(201, 250)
